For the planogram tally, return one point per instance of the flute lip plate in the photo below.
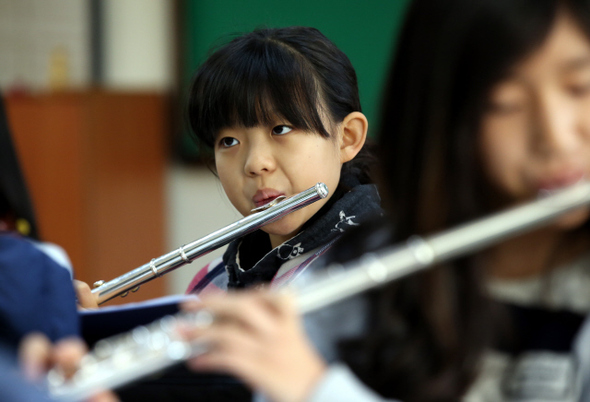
(270, 204)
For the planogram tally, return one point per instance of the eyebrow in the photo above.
(575, 64)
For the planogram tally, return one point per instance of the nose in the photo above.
(556, 127)
(259, 159)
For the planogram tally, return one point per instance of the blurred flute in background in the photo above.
(148, 349)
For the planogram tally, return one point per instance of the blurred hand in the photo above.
(37, 356)
(86, 299)
(258, 337)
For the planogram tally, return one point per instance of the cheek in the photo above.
(585, 125)
(227, 167)
(228, 178)
(314, 158)
(503, 151)
(573, 219)
(496, 156)
(327, 165)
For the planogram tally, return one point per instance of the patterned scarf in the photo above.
(250, 260)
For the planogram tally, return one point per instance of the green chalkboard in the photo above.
(364, 30)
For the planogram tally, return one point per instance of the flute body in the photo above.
(119, 360)
(189, 252)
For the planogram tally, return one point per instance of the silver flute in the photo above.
(148, 349)
(263, 215)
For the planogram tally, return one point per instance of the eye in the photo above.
(508, 97)
(281, 130)
(228, 142)
(504, 108)
(580, 90)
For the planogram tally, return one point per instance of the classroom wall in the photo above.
(35, 34)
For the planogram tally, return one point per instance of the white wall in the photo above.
(138, 44)
(197, 206)
(35, 32)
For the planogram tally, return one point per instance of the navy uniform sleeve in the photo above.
(36, 293)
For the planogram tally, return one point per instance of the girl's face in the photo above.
(256, 165)
(535, 133)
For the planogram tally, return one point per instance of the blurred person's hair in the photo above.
(16, 207)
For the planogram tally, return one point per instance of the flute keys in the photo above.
(203, 319)
(122, 358)
(55, 378)
(158, 341)
(199, 319)
(168, 323)
(178, 350)
(88, 365)
(422, 251)
(103, 349)
(375, 268)
(140, 335)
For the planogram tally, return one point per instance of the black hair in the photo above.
(430, 330)
(293, 73)
(15, 204)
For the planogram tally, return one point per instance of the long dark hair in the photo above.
(430, 330)
(295, 73)
(15, 203)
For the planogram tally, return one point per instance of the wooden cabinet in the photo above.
(94, 163)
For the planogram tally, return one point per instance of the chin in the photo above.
(283, 227)
(572, 220)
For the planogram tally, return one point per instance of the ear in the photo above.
(353, 134)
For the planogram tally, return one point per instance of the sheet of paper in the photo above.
(107, 321)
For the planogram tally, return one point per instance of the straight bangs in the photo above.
(257, 83)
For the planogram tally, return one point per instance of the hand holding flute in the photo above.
(258, 337)
(37, 355)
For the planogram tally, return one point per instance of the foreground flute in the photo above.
(124, 358)
(264, 215)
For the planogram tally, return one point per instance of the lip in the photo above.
(265, 195)
(562, 179)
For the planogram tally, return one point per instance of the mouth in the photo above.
(265, 196)
(558, 182)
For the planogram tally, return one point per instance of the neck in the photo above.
(534, 253)
(277, 240)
